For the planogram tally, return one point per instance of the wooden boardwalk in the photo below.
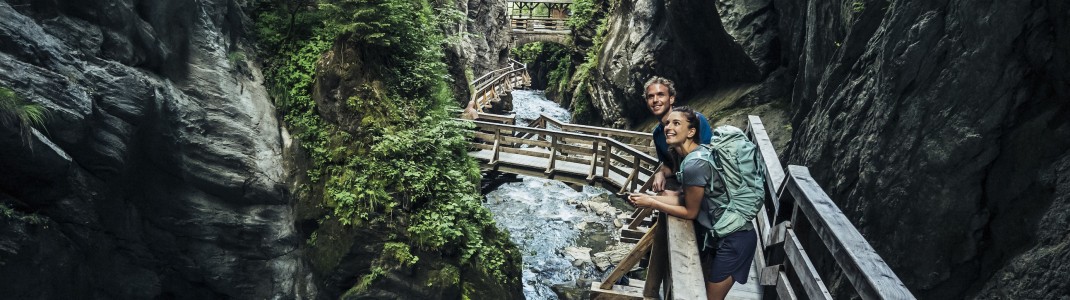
(795, 208)
(588, 155)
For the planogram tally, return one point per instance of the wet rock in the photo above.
(572, 290)
(602, 209)
(612, 256)
(578, 255)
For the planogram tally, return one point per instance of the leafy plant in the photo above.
(18, 113)
(406, 162)
(858, 5)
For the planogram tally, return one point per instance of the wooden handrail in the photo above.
(793, 199)
(871, 277)
(572, 147)
(678, 244)
(614, 133)
(796, 206)
(485, 90)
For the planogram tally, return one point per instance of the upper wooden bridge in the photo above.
(799, 223)
(539, 21)
(490, 87)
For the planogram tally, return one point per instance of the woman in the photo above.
(730, 260)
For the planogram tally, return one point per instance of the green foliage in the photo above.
(235, 57)
(583, 13)
(528, 53)
(16, 111)
(406, 162)
(581, 107)
(857, 6)
(399, 253)
(10, 213)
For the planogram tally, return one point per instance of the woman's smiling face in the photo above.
(677, 129)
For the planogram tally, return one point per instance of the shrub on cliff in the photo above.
(18, 113)
(403, 161)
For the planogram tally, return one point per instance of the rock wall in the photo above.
(160, 174)
(939, 128)
(480, 44)
(674, 39)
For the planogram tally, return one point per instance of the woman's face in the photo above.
(677, 129)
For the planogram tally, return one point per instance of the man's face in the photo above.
(658, 99)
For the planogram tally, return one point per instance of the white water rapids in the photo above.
(550, 222)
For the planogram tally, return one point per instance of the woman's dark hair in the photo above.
(692, 121)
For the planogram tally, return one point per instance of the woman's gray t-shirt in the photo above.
(696, 172)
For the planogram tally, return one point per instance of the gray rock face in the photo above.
(160, 174)
(939, 128)
(674, 39)
(480, 42)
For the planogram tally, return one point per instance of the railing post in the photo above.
(497, 145)
(605, 161)
(635, 174)
(658, 262)
(553, 155)
(594, 161)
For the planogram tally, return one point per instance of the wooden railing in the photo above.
(567, 156)
(489, 87)
(600, 160)
(535, 25)
(639, 140)
(797, 223)
(796, 207)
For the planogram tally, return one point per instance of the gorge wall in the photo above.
(160, 172)
(164, 169)
(674, 39)
(940, 128)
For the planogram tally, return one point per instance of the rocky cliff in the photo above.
(164, 171)
(674, 39)
(160, 172)
(480, 45)
(939, 127)
(942, 124)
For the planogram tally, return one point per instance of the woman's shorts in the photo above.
(732, 257)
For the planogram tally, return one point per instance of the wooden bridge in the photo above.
(799, 223)
(490, 87)
(539, 21)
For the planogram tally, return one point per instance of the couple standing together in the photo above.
(679, 136)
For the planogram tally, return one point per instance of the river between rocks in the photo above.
(564, 234)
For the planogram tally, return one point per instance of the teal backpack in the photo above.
(730, 203)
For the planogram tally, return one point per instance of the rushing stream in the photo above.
(553, 225)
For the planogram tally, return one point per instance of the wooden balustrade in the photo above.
(796, 212)
(532, 25)
(796, 205)
(489, 87)
(567, 156)
(638, 140)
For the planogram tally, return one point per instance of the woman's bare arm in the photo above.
(669, 203)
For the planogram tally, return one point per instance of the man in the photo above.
(660, 95)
